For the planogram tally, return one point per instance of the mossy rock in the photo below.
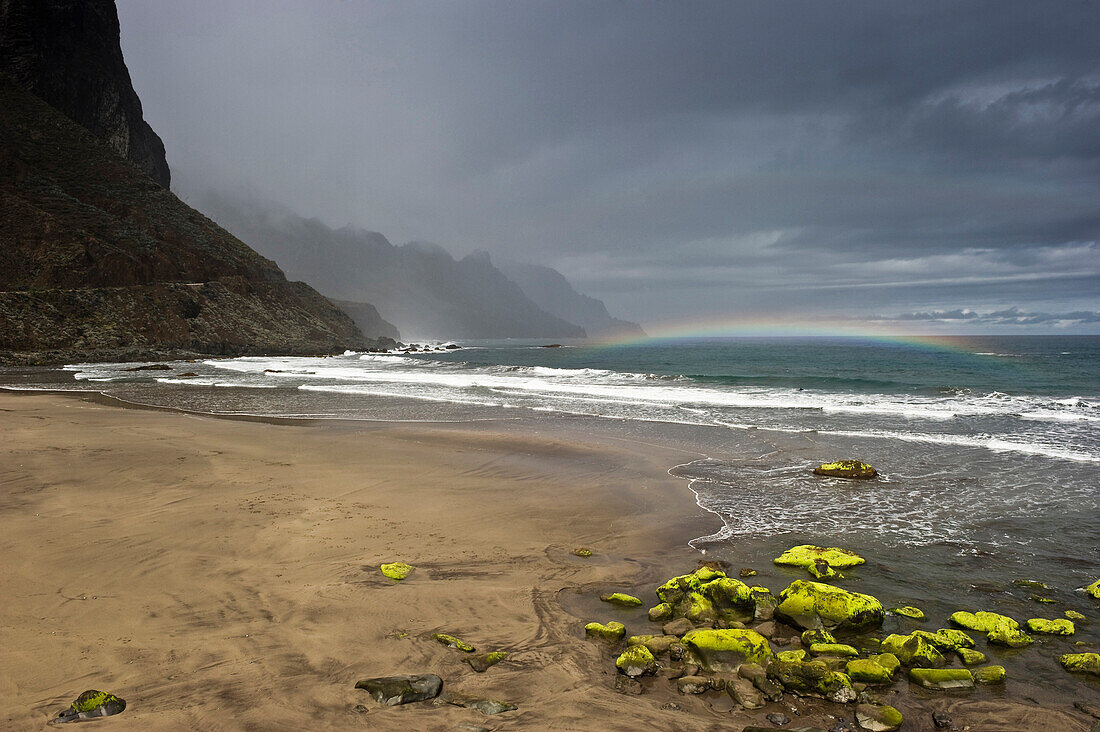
(878, 718)
(813, 678)
(942, 678)
(612, 631)
(946, 639)
(809, 637)
(808, 604)
(90, 705)
(636, 661)
(582, 552)
(396, 570)
(1074, 615)
(1081, 663)
(913, 650)
(1040, 598)
(1093, 590)
(1059, 626)
(726, 650)
(908, 611)
(1031, 584)
(868, 671)
(833, 649)
(621, 599)
(806, 555)
(1008, 637)
(990, 675)
(793, 656)
(453, 642)
(970, 657)
(999, 629)
(394, 690)
(846, 469)
(481, 663)
(660, 613)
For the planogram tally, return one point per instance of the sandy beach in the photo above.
(223, 574)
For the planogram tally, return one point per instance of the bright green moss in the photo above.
(909, 611)
(582, 552)
(453, 642)
(809, 637)
(612, 631)
(636, 661)
(990, 675)
(913, 650)
(867, 671)
(812, 677)
(1082, 663)
(621, 599)
(983, 621)
(1052, 627)
(942, 678)
(846, 469)
(817, 605)
(397, 570)
(92, 699)
(806, 555)
(1074, 615)
(1093, 590)
(970, 657)
(660, 613)
(833, 649)
(726, 650)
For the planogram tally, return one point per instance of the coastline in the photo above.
(221, 572)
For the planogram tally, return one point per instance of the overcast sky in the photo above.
(937, 163)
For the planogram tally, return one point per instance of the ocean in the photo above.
(988, 447)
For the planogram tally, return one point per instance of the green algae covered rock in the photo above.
(999, 629)
(868, 671)
(942, 678)
(636, 661)
(1074, 615)
(452, 642)
(481, 663)
(391, 691)
(913, 650)
(793, 656)
(821, 569)
(909, 611)
(726, 650)
(1040, 598)
(806, 555)
(660, 613)
(813, 678)
(582, 552)
(946, 639)
(1032, 584)
(90, 705)
(396, 570)
(1081, 663)
(990, 675)
(621, 599)
(809, 637)
(970, 657)
(876, 718)
(1093, 590)
(808, 604)
(846, 469)
(613, 631)
(833, 649)
(1060, 626)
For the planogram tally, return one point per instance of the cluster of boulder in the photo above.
(717, 633)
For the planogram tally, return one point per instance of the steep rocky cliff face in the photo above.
(66, 52)
(99, 262)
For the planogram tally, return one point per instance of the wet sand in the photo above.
(222, 574)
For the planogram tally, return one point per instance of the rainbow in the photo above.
(886, 332)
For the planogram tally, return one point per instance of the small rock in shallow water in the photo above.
(1074, 615)
(481, 663)
(846, 469)
(627, 685)
(909, 611)
(483, 705)
(878, 718)
(941, 720)
(621, 599)
(1040, 598)
(678, 627)
(612, 631)
(778, 719)
(692, 684)
(990, 675)
(1060, 626)
(1032, 584)
(942, 678)
(745, 693)
(452, 642)
(1093, 590)
(636, 661)
(747, 572)
(394, 690)
(582, 552)
(1084, 663)
(90, 705)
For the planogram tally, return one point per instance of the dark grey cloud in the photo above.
(678, 160)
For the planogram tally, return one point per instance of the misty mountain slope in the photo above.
(368, 320)
(418, 287)
(552, 292)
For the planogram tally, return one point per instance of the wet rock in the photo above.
(755, 673)
(745, 693)
(941, 720)
(672, 707)
(878, 718)
(481, 704)
(942, 678)
(1082, 663)
(808, 556)
(766, 603)
(621, 599)
(846, 469)
(946, 639)
(820, 569)
(396, 570)
(1031, 584)
(1040, 598)
(453, 642)
(871, 671)
(1093, 590)
(627, 685)
(670, 672)
(813, 678)
(483, 662)
(833, 649)
(660, 613)
(636, 661)
(1090, 709)
(1059, 626)
(725, 650)
(1074, 615)
(91, 704)
(612, 631)
(766, 629)
(151, 367)
(809, 637)
(747, 572)
(816, 605)
(778, 719)
(909, 611)
(394, 690)
(692, 684)
(990, 675)
(913, 650)
(678, 627)
(999, 629)
(583, 552)
(970, 657)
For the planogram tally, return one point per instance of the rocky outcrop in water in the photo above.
(67, 53)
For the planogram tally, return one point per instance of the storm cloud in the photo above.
(678, 160)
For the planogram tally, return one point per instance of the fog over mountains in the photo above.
(417, 288)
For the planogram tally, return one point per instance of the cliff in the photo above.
(67, 53)
(424, 291)
(99, 262)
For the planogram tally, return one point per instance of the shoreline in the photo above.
(232, 561)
